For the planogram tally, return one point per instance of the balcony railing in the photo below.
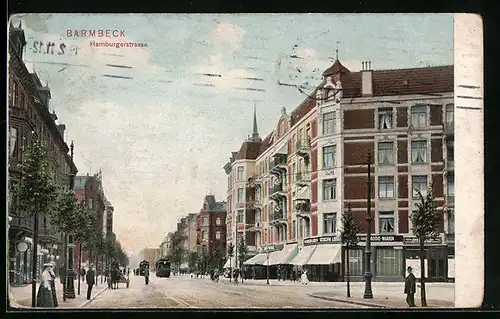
(252, 203)
(449, 128)
(303, 207)
(302, 177)
(24, 222)
(303, 147)
(277, 188)
(280, 160)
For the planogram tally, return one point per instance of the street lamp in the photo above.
(267, 251)
(70, 249)
(368, 294)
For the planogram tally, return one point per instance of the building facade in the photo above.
(30, 119)
(211, 228)
(314, 166)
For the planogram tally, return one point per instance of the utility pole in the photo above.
(69, 292)
(368, 274)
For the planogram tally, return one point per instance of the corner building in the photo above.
(314, 166)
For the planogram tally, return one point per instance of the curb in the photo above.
(92, 299)
(353, 302)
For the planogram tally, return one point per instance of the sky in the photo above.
(162, 131)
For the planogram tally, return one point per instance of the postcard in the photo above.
(235, 161)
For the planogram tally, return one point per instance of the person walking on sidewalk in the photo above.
(83, 274)
(44, 297)
(303, 278)
(53, 284)
(410, 285)
(90, 277)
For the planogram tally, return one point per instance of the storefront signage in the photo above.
(415, 241)
(382, 238)
(322, 240)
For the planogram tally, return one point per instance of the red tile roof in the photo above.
(336, 68)
(248, 150)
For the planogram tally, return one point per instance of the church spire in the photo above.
(255, 134)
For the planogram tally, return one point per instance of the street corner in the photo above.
(334, 298)
(82, 305)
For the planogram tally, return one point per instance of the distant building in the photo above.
(211, 228)
(150, 255)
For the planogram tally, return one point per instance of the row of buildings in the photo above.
(286, 192)
(203, 232)
(30, 118)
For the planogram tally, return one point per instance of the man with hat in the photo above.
(90, 278)
(410, 287)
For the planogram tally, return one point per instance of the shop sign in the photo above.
(382, 238)
(322, 240)
(414, 241)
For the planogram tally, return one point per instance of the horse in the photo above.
(115, 277)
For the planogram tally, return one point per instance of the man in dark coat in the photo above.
(410, 287)
(90, 278)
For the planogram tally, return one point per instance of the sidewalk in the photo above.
(21, 296)
(385, 295)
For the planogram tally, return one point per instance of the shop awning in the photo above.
(326, 255)
(304, 193)
(303, 256)
(258, 259)
(231, 262)
(284, 256)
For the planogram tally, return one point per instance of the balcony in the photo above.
(50, 234)
(302, 178)
(254, 227)
(253, 181)
(278, 217)
(303, 209)
(253, 204)
(278, 165)
(23, 223)
(277, 191)
(303, 147)
(449, 128)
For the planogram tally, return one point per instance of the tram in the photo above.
(163, 268)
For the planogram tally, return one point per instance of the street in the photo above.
(185, 292)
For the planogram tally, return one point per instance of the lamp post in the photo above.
(70, 249)
(368, 274)
(266, 250)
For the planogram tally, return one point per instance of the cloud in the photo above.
(227, 34)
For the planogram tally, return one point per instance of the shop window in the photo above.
(356, 262)
(389, 262)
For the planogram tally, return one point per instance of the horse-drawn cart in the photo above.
(118, 278)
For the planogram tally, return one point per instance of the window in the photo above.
(385, 153)
(329, 221)
(389, 262)
(451, 223)
(420, 183)
(385, 118)
(329, 156)
(240, 173)
(241, 198)
(294, 142)
(449, 116)
(294, 229)
(328, 123)
(419, 152)
(205, 221)
(419, 116)
(329, 189)
(218, 221)
(307, 228)
(13, 142)
(356, 262)
(217, 234)
(386, 187)
(204, 235)
(450, 150)
(239, 218)
(386, 222)
(450, 185)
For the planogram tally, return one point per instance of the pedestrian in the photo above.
(410, 287)
(294, 274)
(236, 273)
(303, 278)
(83, 274)
(90, 277)
(53, 283)
(44, 297)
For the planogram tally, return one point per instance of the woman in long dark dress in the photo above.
(44, 296)
(53, 284)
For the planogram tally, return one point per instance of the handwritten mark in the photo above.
(210, 74)
(203, 84)
(468, 107)
(119, 66)
(252, 79)
(251, 89)
(469, 97)
(117, 76)
(469, 86)
(59, 63)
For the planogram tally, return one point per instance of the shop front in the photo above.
(321, 257)
(436, 259)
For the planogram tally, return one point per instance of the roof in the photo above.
(336, 67)
(249, 150)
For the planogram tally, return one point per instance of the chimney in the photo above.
(366, 79)
(61, 128)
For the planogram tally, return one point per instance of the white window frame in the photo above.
(330, 188)
(421, 182)
(240, 218)
(329, 153)
(204, 235)
(419, 116)
(217, 234)
(385, 152)
(387, 215)
(449, 110)
(329, 223)
(385, 118)
(241, 173)
(450, 184)
(204, 221)
(419, 157)
(241, 195)
(328, 123)
(385, 191)
(218, 221)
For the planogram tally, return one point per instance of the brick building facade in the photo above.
(301, 177)
(211, 228)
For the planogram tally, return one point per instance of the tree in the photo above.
(425, 221)
(242, 251)
(230, 254)
(193, 260)
(349, 239)
(35, 194)
(217, 257)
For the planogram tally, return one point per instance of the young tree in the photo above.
(242, 252)
(230, 254)
(425, 221)
(349, 238)
(193, 259)
(36, 194)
